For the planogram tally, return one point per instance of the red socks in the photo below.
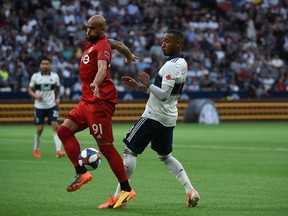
(70, 143)
(115, 161)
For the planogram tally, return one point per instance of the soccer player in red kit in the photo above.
(95, 110)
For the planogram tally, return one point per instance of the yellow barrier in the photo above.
(228, 111)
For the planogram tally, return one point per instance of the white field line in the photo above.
(175, 145)
(231, 147)
(26, 161)
(5, 141)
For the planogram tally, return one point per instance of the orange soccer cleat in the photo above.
(192, 198)
(79, 180)
(36, 153)
(124, 197)
(60, 153)
(109, 204)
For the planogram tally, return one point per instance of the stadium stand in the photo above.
(236, 50)
(227, 42)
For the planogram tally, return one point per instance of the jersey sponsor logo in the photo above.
(86, 59)
(45, 87)
(90, 50)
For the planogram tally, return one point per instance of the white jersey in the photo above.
(45, 85)
(173, 73)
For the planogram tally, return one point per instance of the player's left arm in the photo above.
(57, 90)
(124, 50)
(57, 95)
(161, 93)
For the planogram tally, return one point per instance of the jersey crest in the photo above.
(106, 53)
(168, 77)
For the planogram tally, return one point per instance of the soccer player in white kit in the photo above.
(44, 88)
(157, 123)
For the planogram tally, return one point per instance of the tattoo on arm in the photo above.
(113, 43)
(120, 47)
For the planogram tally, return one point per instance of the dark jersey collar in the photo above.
(42, 74)
(175, 56)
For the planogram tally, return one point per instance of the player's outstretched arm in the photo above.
(161, 93)
(133, 84)
(124, 50)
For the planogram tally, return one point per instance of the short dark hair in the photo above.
(176, 33)
(45, 58)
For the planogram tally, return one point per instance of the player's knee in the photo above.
(60, 131)
(129, 152)
(39, 131)
(164, 157)
(55, 127)
(64, 132)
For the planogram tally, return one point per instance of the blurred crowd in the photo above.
(230, 45)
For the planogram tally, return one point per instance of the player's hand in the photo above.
(144, 78)
(39, 97)
(130, 82)
(132, 58)
(57, 101)
(95, 89)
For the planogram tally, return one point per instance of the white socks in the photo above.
(36, 141)
(57, 141)
(176, 168)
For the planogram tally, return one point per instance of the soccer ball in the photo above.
(89, 158)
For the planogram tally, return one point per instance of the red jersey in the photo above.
(100, 50)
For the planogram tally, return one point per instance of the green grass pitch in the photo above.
(238, 169)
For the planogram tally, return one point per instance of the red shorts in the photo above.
(97, 116)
